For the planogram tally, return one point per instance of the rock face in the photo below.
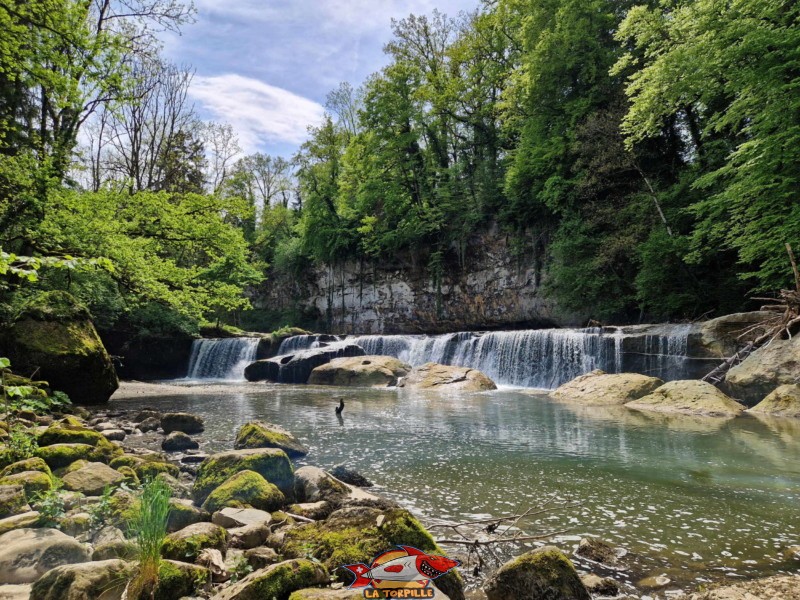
(26, 554)
(783, 402)
(599, 388)
(55, 336)
(764, 370)
(689, 397)
(297, 367)
(722, 337)
(541, 574)
(492, 287)
(433, 376)
(258, 434)
(364, 371)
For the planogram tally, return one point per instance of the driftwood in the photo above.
(480, 537)
(784, 324)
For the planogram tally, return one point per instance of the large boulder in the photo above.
(361, 371)
(599, 388)
(770, 366)
(92, 479)
(186, 544)
(26, 554)
(541, 574)
(276, 581)
(54, 337)
(297, 367)
(272, 464)
(243, 489)
(29, 464)
(433, 376)
(723, 336)
(258, 434)
(783, 402)
(357, 534)
(99, 580)
(312, 484)
(32, 482)
(689, 397)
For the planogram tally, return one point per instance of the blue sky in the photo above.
(265, 67)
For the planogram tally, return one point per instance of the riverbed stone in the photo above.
(186, 544)
(260, 557)
(243, 489)
(356, 534)
(184, 422)
(55, 338)
(26, 554)
(600, 586)
(150, 469)
(149, 424)
(183, 512)
(348, 475)
(92, 479)
(177, 441)
(26, 519)
(362, 371)
(240, 517)
(62, 455)
(15, 592)
(272, 464)
(110, 543)
(597, 550)
(32, 482)
(312, 484)
(259, 434)
(541, 574)
(783, 402)
(297, 367)
(276, 581)
(770, 366)
(331, 594)
(600, 388)
(690, 397)
(13, 501)
(433, 376)
(29, 464)
(779, 587)
(101, 580)
(114, 435)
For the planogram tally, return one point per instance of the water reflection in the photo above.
(685, 493)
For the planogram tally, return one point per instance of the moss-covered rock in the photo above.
(86, 581)
(29, 464)
(246, 488)
(32, 482)
(185, 422)
(92, 479)
(131, 478)
(76, 524)
(126, 460)
(276, 581)
(272, 464)
(358, 534)
(258, 434)
(55, 337)
(149, 470)
(783, 402)
(179, 579)
(183, 513)
(78, 464)
(12, 501)
(186, 544)
(61, 455)
(312, 484)
(541, 574)
(56, 434)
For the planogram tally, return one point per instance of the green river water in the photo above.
(695, 499)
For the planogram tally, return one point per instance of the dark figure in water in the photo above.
(340, 408)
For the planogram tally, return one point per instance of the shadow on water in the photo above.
(692, 497)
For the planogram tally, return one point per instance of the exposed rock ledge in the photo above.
(770, 588)
(433, 376)
(361, 371)
(689, 397)
(600, 388)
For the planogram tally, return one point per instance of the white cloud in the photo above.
(261, 114)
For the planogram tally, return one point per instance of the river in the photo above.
(694, 499)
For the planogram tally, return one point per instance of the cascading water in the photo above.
(543, 358)
(221, 359)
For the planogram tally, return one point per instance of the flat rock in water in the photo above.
(781, 587)
(599, 388)
(783, 402)
(351, 476)
(433, 376)
(689, 397)
(361, 371)
(178, 441)
(297, 367)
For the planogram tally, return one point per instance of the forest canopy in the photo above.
(644, 155)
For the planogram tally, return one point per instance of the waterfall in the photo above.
(221, 359)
